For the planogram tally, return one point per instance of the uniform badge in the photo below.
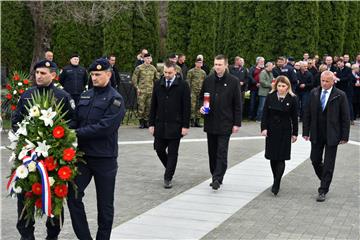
(117, 103)
(225, 84)
(47, 64)
(287, 104)
(98, 67)
(85, 97)
(72, 104)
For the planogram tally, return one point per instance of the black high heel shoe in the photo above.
(275, 187)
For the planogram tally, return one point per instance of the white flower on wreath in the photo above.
(26, 149)
(42, 149)
(22, 128)
(22, 172)
(17, 189)
(12, 157)
(14, 92)
(32, 166)
(51, 181)
(47, 116)
(13, 137)
(34, 111)
(20, 84)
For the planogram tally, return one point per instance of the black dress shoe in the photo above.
(321, 197)
(51, 238)
(167, 184)
(275, 189)
(215, 185)
(28, 238)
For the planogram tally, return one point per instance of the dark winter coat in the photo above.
(280, 119)
(338, 117)
(170, 108)
(225, 103)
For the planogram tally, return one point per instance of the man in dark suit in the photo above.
(169, 118)
(223, 118)
(326, 124)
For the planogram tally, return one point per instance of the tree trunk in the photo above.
(36, 9)
(163, 12)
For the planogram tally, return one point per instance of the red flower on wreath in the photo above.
(13, 107)
(61, 190)
(50, 163)
(8, 96)
(36, 188)
(58, 132)
(8, 87)
(57, 78)
(28, 194)
(38, 203)
(26, 81)
(64, 173)
(21, 91)
(16, 77)
(69, 154)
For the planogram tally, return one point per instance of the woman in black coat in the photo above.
(280, 126)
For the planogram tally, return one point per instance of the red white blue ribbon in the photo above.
(45, 184)
(45, 187)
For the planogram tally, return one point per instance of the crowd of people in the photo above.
(324, 95)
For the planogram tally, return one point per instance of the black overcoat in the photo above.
(281, 121)
(338, 117)
(170, 108)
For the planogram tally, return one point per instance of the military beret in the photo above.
(74, 55)
(100, 64)
(46, 64)
(172, 55)
(291, 59)
(147, 55)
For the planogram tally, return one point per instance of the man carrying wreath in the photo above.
(98, 116)
(45, 72)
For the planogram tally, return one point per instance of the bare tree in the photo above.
(46, 13)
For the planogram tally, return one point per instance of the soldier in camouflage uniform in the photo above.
(172, 58)
(195, 78)
(143, 80)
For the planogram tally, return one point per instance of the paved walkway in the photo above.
(243, 208)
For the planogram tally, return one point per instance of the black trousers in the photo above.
(169, 158)
(218, 146)
(324, 168)
(104, 172)
(26, 230)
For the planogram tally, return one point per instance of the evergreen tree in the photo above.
(178, 27)
(332, 27)
(118, 40)
(146, 29)
(70, 37)
(16, 36)
(301, 32)
(352, 31)
(202, 33)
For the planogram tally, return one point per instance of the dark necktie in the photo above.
(168, 82)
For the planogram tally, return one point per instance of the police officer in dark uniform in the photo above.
(113, 81)
(74, 78)
(98, 116)
(45, 72)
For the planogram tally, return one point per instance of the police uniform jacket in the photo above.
(60, 95)
(73, 79)
(225, 103)
(337, 117)
(98, 117)
(280, 119)
(170, 108)
(289, 72)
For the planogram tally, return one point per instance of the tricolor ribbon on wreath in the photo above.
(45, 184)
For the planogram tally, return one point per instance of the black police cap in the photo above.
(100, 64)
(291, 59)
(74, 55)
(198, 60)
(45, 64)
